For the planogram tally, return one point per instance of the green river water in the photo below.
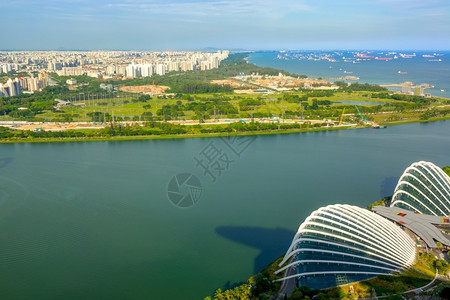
(92, 220)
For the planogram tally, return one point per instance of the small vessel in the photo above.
(443, 90)
(402, 72)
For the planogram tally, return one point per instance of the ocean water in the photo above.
(417, 69)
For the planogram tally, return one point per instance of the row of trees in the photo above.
(358, 87)
(152, 128)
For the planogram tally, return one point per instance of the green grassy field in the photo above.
(127, 107)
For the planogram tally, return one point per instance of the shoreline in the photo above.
(171, 136)
(202, 135)
(435, 91)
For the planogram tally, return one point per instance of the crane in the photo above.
(342, 117)
(360, 114)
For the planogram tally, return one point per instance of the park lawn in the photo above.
(271, 105)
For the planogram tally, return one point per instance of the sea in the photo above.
(375, 67)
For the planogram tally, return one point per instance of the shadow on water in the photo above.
(229, 285)
(387, 187)
(273, 242)
(5, 161)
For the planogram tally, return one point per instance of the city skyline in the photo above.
(226, 24)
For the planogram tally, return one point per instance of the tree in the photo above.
(446, 170)
(296, 295)
(262, 284)
(445, 293)
(321, 296)
(219, 294)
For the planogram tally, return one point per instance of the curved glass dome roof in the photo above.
(423, 188)
(339, 244)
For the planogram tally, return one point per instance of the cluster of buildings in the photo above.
(11, 88)
(100, 64)
(283, 82)
(176, 63)
(6, 68)
(21, 84)
(410, 89)
(340, 244)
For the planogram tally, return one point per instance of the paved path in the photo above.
(287, 287)
(425, 287)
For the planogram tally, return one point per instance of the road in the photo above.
(287, 287)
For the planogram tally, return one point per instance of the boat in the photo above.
(383, 58)
(402, 72)
(376, 126)
(443, 90)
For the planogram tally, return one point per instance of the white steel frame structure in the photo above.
(339, 244)
(423, 188)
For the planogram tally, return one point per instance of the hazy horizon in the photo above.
(206, 49)
(155, 25)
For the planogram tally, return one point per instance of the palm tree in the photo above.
(219, 294)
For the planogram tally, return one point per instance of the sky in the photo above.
(224, 24)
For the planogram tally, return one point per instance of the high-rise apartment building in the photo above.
(146, 70)
(160, 69)
(4, 91)
(12, 87)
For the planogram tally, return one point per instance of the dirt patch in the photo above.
(145, 89)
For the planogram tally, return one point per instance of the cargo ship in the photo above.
(383, 58)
